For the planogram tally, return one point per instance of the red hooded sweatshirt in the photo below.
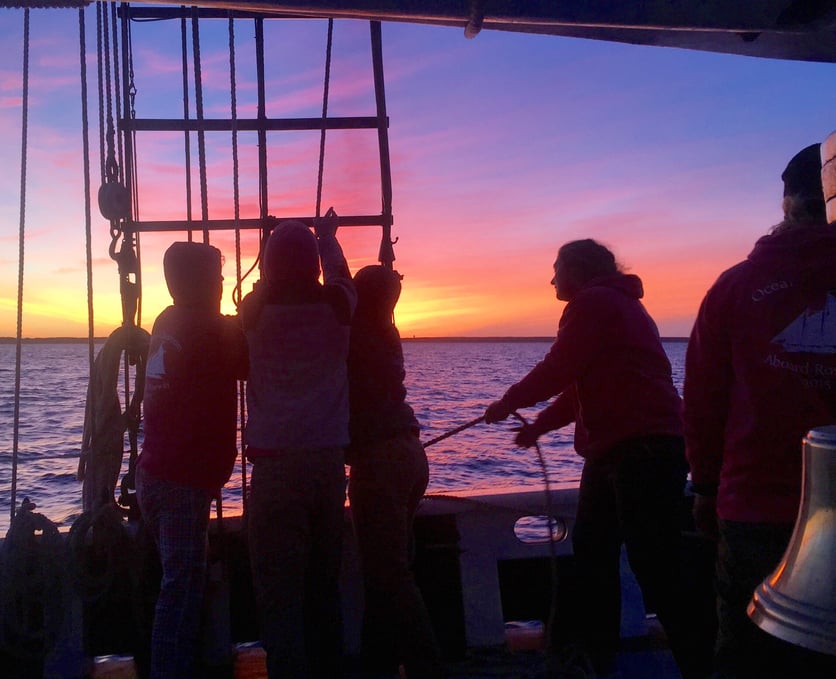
(194, 362)
(608, 368)
(761, 372)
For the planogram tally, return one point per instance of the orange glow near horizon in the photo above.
(427, 308)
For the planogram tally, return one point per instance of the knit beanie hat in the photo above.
(193, 273)
(802, 177)
(378, 289)
(291, 253)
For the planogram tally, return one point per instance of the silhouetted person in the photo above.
(297, 427)
(612, 378)
(196, 357)
(389, 474)
(761, 372)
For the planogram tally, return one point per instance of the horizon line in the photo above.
(413, 338)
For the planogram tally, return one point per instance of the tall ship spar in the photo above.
(470, 562)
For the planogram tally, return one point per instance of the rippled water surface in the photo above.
(449, 384)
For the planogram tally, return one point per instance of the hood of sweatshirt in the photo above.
(805, 254)
(628, 283)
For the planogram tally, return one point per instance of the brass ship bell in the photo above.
(797, 603)
(828, 176)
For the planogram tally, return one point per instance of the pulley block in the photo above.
(114, 201)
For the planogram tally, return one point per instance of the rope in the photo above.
(31, 585)
(201, 136)
(386, 254)
(324, 116)
(236, 192)
(263, 197)
(111, 167)
(134, 167)
(138, 275)
(233, 103)
(552, 550)
(549, 512)
(85, 143)
(99, 548)
(136, 352)
(120, 158)
(184, 56)
(100, 87)
(19, 336)
(104, 564)
(457, 430)
(114, 198)
(104, 422)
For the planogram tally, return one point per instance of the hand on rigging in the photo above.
(327, 224)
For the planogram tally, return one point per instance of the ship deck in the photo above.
(488, 586)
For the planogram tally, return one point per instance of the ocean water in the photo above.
(449, 384)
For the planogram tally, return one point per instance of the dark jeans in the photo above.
(746, 554)
(635, 496)
(295, 523)
(385, 487)
(177, 518)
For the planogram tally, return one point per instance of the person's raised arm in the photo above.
(335, 271)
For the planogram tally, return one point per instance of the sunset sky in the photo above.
(503, 147)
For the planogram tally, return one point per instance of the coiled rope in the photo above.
(104, 421)
(100, 551)
(32, 561)
(104, 566)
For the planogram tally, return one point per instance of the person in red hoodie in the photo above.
(189, 448)
(612, 378)
(760, 372)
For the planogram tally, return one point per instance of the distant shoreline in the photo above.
(506, 339)
(84, 340)
(50, 340)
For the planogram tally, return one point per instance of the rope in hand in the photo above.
(455, 431)
(550, 520)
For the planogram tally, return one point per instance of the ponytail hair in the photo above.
(802, 211)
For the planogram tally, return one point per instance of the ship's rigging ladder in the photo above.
(122, 134)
